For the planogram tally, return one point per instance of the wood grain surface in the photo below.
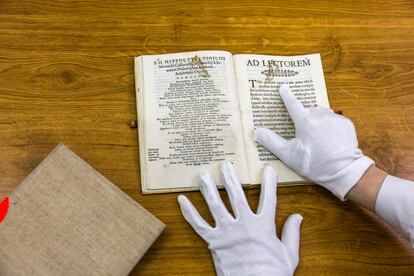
(66, 75)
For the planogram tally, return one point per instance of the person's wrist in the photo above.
(365, 192)
(342, 181)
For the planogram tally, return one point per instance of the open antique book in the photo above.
(199, 109)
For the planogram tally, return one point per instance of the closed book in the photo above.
(66, 218)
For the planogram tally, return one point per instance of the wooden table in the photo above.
(66, 75)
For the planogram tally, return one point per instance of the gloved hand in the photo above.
(247, 243)
(325, 149)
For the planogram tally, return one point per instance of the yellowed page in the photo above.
(189, 118)
(259, 78)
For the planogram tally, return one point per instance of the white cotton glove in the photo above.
(325, 149)
(247, 243)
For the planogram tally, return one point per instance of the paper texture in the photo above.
(67, 219)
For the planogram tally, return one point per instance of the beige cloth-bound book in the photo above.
(199, 109)
(65, 218)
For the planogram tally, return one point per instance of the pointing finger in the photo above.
(294, 106)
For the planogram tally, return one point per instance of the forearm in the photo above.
(389, 197)
(365, 192)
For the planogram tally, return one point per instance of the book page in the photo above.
(189, 118)
(259, 78)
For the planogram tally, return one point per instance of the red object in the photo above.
(4, 207)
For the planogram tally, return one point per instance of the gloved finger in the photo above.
(268, 198)
(210, 193)
(291, 235)
(294, 106)
(192, 216)
(234, 190)
(274, 143)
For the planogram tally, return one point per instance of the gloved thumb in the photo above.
(291, 235)
(273, 142)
